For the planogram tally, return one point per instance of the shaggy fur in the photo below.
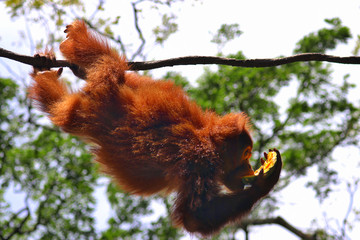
(149, 135)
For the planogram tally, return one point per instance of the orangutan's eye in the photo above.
(247, 153)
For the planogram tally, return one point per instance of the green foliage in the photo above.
(318, 116)
(129, 212)
(168, 27)
(324, 39)
(225, 33)
(52, 170)
(357, 47)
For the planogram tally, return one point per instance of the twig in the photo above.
(350, 206)
(138, 29)
(280, 221)
(195, 60)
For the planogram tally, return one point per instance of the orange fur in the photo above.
(150, 137)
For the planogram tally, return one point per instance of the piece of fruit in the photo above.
(267, 166)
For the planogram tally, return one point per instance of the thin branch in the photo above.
(39, 209)
(325, 152)
(138, 29)
(17, 229)
(195, 60)
(100, 6)
(350, 206)
(13, 217)
(279, 221)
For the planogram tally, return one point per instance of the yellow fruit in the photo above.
(268, 165)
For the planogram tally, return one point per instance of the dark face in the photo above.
(236, 155)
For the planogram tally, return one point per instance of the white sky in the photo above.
(270, 29)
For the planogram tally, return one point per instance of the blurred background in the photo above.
(50, 187)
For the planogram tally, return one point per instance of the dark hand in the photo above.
(46, 59)
(265, 182)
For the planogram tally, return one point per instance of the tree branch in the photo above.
(279, 221)
(18, 229)
(138, 29)
(36, 62)
(195, 60)
(251, 63)
(351, 192)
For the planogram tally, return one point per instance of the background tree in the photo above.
(53, 172)
(317, 119)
